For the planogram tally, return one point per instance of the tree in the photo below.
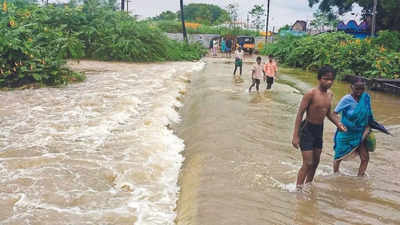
(20, 3)
(204, 13)
(232, 10)
(387, 16)
(166, 15)
(286, 27)
(323, 20)
(112, 4)
(257, 14)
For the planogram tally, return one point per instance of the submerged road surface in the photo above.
(240, 167)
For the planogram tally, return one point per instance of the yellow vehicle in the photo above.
(247, 43)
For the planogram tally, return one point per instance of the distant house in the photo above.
(300, 26)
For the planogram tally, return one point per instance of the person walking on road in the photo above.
(270, 69)
(256, 74)
(228, 47)
(308, 134)
(214, 49)
(223, 47)
(238, 60)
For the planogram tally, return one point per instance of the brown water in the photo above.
(97, 152)
(240, 167)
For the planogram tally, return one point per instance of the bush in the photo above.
(176, 27)
(346, 54)
(35, 41)
(30, 52)
(388, 39)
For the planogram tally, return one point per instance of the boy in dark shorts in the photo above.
(308, 133)
(270, 69)
(257, 73)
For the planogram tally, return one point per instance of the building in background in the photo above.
(299, 26)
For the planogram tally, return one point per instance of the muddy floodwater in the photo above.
(181, 143)
(96, 152)
(240, 167)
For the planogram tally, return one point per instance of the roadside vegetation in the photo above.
(35, 41)
(206, 19)
(372, 57)
(171, 26)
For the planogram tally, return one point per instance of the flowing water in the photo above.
(102, 152)
(240, 167)
(97, 152)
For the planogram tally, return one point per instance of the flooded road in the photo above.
(240, 167)
(97, 152)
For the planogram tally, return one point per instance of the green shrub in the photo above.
(388, 39)
(170, 26)
(377, 57)
(35, 41)
(29, 53)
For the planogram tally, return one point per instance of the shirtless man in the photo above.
(308, 133)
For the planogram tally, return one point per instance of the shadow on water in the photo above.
(240, 167)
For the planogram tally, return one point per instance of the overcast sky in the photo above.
(282, 12)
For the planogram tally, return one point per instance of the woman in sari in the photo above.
(356, 113)
(223, 46)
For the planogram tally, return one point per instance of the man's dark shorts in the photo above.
(270, 80)
(311, 136)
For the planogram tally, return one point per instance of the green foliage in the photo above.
(233, 12)
(35, 41)
(166, 15)
(204, 13)
(257, 14)
(286, 27)
(182, 50)
(176, 27)
(387, 17)
(324, 20)
(388, 39)
(370, 57)
(30, 52)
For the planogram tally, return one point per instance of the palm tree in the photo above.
(183, 23)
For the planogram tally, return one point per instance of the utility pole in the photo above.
(373, 28)
(266, 27)
(122, 5)
(127, 6)
(183, 23)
